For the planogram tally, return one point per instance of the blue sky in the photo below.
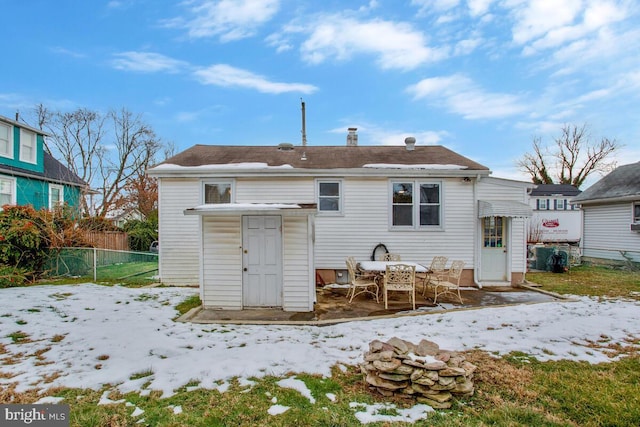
(481, 77)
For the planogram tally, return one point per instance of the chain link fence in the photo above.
(102, 264)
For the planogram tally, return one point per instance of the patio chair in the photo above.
(437, 268)
(391, 257)
(400, 277)
(359, 282)
(449, 283)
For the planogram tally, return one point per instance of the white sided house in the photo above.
(254, 226)
(611, 206)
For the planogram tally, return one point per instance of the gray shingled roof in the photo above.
(623, 182)
(54, 171)
(321, 157)
(555, 189)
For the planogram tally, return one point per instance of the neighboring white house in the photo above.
(555, 219)
(254, 225)
(611, 207)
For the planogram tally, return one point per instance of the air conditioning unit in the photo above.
(635, 226)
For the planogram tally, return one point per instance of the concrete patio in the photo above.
(332, 306)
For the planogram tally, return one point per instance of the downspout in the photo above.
(476, 245)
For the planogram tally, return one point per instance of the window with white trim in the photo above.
(416, 204)
(542, 204)
(636, 213)
(56, 195)
(7, 191)
(217, 192)
(329, 196)
(6, 140)
(28, 146)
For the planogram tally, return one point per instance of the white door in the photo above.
(495, 249)
(262, 261)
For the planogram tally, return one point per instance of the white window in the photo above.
(416, 204)
(330, 196)
(7, 191)
(56, 195)
(27, 146)
(217, 192)
(6, 140)
(561, 204)
(636, 213)
(542, 204)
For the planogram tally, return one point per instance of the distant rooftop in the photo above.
(623, 182)
(555, 190)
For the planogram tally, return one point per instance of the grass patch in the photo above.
(130, 273)
(18, 337)
(192, 302)
(141, 374)
(597, 281)
(510, 391)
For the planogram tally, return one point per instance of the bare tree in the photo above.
(574, 157)
(106, 151)
(136, 146)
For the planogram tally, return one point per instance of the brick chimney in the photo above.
(352, 137)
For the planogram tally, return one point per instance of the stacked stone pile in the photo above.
(424, 371)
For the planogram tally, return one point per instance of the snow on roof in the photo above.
(403, 166)
(226, 166)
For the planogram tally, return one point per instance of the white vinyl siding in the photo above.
(297, 265)
(222, 262)
(607, 233)
(275, 190)
(6, 140)
(28, 146)
(365, 224)
(179, 234)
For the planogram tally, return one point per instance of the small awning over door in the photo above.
(506, 208)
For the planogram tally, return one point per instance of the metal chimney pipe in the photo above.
(304, 126)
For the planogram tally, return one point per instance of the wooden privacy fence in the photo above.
(114, 240)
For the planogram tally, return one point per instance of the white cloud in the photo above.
(545, 24)
(462, 96)
(228, 76)
(397, 45)
(435, 5)
(147, 62)
(228, 19)
(67, 52)
(479, 7)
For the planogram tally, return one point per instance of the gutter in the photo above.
(476, 245)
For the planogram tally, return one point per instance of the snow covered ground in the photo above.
(107, 335)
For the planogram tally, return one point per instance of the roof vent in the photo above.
(285, 146)
(410, 143)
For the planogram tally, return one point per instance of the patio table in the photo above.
(381, 266)
(378, 268)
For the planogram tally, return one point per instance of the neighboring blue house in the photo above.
(31, 176)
